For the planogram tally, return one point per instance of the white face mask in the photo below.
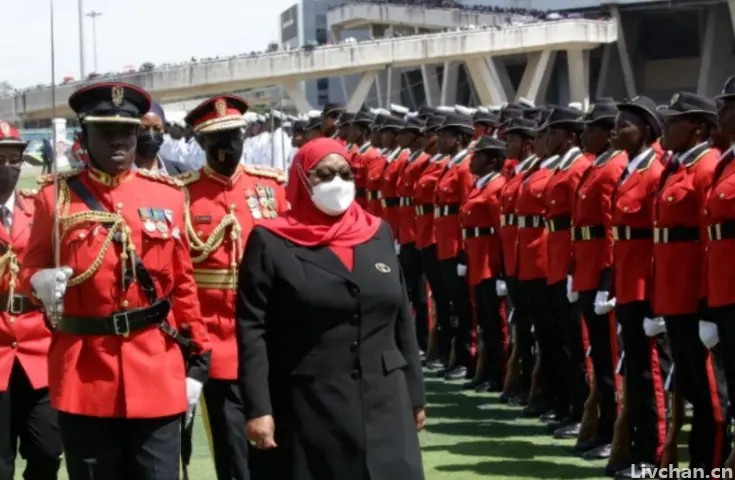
(335, 197)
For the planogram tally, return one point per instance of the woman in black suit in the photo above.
(328, 359)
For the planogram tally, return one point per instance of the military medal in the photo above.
(176, 233)
(252, 202)
(149, 226)
(162, 227)
(256, 214)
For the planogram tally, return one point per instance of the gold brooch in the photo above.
(382, 268)
(220, 106)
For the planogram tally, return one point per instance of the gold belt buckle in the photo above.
(464, 234)
(656, 235)
(586, 233)
(718, 231)
(522, 221)
(384, 203)
(504, 220)
(616, 233)
(437, 211)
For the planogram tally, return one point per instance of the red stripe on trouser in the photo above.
(658, 396)
(473, 330)
(615, 353)
(588, 366)
(716, 411)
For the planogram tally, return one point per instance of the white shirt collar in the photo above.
(571, 154)
(522, 164)
(10, 202)
(684, 157)
(603, 155)
(633, 164)
(436, 157)
(548, 161)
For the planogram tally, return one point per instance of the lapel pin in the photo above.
(382, 267)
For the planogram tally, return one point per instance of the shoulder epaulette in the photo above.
(28, 192)
(189, 177)
(48, 178)
(157, 177)
(266, 172)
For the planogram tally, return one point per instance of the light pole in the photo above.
(93, 15)
(81, 39)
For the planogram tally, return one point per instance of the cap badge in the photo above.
(674, 99)
(118, 94)
(220, 106)
(5, 129)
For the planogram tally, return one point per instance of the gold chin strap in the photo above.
(9, 263)
(214, 241)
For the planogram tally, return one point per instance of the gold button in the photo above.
(538, 196)
(14, 344)
(584, 196)
(200, 234)
(124, 304)
(625, 209)
(164, 235)
(119, 205)
(11, 320)
(232, 206)
(670, 199)
(82, 235)
(722, 195)
(553, 202)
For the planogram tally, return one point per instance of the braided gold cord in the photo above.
(215, 239)
(9, 263)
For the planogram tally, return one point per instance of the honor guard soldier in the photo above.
(408, 133)
(363, 155)
(480, 220)
(388, 127)
(679, 246)
(343, 131)
(720, 228)
(123, 290)
(224, 201)
(423, 201)
(638, 125)
(26, 416)
(520, 137)
(452, 189)
(409, 255)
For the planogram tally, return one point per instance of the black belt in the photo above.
(556, 224)
(530, 221)
(424, 209)
(390, 202)
(675, 234)
(17, 304)
(721, 231)
(374, 195)
(474, 232)
(629, 233)
(360, 192)
(120, 323)
(446, 210)
(508, 220)
(591, 232)
(405, 201)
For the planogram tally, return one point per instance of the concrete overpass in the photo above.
(540, 41)
(359, 15)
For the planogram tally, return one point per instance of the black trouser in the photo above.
(701, 379)
(459, 295)
(523, 335)
(98, 448)
(570, 355)
(226, 418)
(441, 300)
(413, 272)
(602, 332)
(647, 364)
(537, 297)
(494, 330)
(26, 417)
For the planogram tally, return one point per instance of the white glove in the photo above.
(397, 247)
(461, 270)
(572, 296)
(654, 326)
(49, 286)
(501, 288)
(603, 303)
(511, 315)
(708, 334)
(193, 391)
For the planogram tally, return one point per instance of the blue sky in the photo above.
(129, 32)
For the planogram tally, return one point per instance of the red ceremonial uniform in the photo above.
(633, 230)
(374, 169)
(721, 233)
(452, 189)
(680, 233)
(532, 235)
(509, 167)
(480, 220)
(423, 200)
(592, 219)
(390, 203)
(415, 165)
(220, 208)
(359, 160)
(23, 334)
(508, 227)
(559, 197)
(140, 375)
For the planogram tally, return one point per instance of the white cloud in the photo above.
(130, 32)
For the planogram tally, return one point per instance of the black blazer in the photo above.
(332, 354)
